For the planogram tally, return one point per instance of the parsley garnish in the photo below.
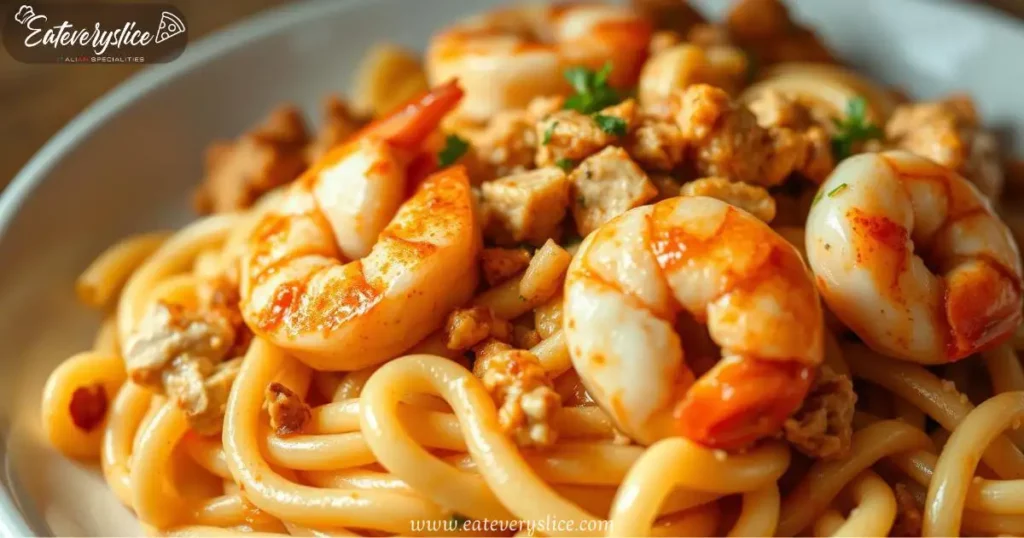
(454, 147)
(852, 129)
(817, 198)
(549, 132)
(611, 124)
(592, 90)
(837, 190)
(565, 164)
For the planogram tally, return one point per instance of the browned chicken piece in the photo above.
(606, 185)
(239, 172)
(766, 28)
(506, 145)
(909, 518)
(784, 114)
(750, 198)
(220, 295)
(949, 133)
(573, 136)
(657, 145)
(339, 124)
(663, 40)
(288, 412)
(526, 399)
(182, 354)
(725, 140)
(501, 264)
(528, 206)
(467, 327)
(823, 425)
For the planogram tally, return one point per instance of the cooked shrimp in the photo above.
(709, 261)
(912, 258)
(298, 293)
(507, 57)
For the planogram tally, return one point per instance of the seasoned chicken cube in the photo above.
(467, 327)
(750, 198)
(570, 136)
(238, 173)
(657, 145)
(526, 207)
(823, 426)
(606, 185)
(288, 412)
(506, 145)
(501, 264)
(526, 399)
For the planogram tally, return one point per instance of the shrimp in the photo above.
(507, 57)
(296, 289)
(911, 257)
(663, 268)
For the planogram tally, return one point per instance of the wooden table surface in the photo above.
(37, 100)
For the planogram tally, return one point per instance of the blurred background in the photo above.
(37, 100)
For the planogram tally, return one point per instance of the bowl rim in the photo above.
(13, 520)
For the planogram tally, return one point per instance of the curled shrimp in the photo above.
(506, 57)
(298, 292)
(636, 279)
(911, 257)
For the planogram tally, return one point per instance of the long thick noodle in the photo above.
(418, 445)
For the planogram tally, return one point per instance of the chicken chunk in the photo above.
(823, 425)
(182, 354)
(726, 140)
(239, 172)
(501, 264)
(526, 207)
(909, 517)
(467, 327)
(606, 185)
(750, 198)
(339, 123)
(506, 145)
(568, 135)
(657, 145)
(288, 412)
(526, 399)
(948, 132)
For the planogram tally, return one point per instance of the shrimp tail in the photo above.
(412, 123)
(742, 400)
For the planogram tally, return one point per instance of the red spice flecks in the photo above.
(88, 407)
(881, 245)
(982, 308)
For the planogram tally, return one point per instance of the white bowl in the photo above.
(129, 162)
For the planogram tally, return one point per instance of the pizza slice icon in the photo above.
(170, 26)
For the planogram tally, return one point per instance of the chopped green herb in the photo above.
(592, 90)
(454, 148)
(853, 128)
(611, 124)
(549, 132)
(459, 519)
(817, 197)
(565, 164)
(837, 190)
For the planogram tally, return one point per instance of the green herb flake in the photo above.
(592, 92)
(611, 124)
(454, 148)
(853, 129)
(549, 132)
(842, 187)
(817, 198)
(565, 164)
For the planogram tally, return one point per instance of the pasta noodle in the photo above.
(276, 369)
